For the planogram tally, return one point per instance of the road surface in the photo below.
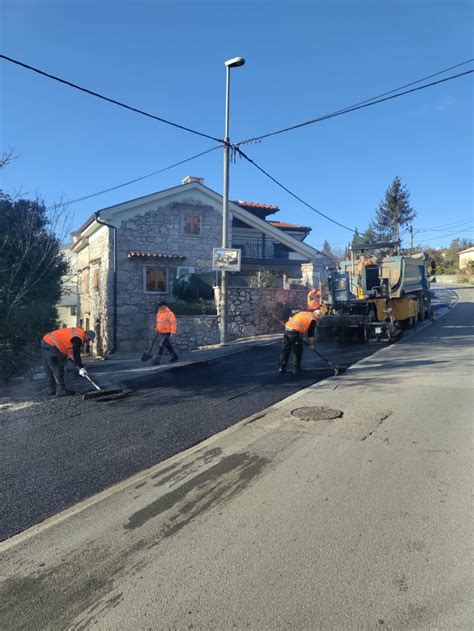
(360, 523)
(60, 452)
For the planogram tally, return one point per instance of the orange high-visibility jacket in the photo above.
(62, 339)
(313, 300)
(165, 321)
(301, 321)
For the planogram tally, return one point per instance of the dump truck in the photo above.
(370, 299)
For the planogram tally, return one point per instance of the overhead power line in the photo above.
(443, 236)
(362, 104)
(138, 179)
(291, 193)
(445, 225)
(108, 99)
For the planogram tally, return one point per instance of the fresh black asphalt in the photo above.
(59, 452)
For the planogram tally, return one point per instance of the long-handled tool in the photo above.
(337, 369)
(100, 392)
(147, 354)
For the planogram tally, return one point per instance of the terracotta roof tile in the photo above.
(154, 255)
(283, 224)
(256, 205)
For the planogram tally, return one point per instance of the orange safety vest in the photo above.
(300, 321)
(62, 339)
(313, 300)
(165, 321)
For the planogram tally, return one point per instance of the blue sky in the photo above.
(303, 59)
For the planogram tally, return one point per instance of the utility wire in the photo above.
(138, 179)
(290, 192)
(444, 226)
(450, 234)
(359, 106)
(463, 226)
(106, 98)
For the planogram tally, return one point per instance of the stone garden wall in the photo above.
(254, 311)
(193, 332)
(251, 312)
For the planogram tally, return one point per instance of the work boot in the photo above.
(174, 359)
(51, 391)
(62, 392)
(281, 369)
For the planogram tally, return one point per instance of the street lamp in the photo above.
(235, 62)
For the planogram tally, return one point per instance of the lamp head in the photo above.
(234, 62)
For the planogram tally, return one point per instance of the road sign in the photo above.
(226, 259)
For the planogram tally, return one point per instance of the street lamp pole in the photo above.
(231, 63)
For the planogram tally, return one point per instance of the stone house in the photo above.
(128, 255)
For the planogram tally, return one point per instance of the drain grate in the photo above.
(315, 413)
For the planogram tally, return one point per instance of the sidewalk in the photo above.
(362, 522)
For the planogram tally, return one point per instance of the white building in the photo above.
(465, 257)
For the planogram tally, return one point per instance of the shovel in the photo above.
(147, 354)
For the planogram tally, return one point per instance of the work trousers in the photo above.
(292, 341)
(53, 364)
(165, 343)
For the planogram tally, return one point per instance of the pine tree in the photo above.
(394, 211)
(326, 248)
(370, 235)
(357, 239)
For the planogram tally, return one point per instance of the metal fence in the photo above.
(260, 248)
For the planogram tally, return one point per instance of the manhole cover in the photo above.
(314, 413)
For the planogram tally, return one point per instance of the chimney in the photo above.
(192, 178)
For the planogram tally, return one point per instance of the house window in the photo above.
(192, 223)
(85, 282)
(156, 279)
(73, 311)
(96, 279)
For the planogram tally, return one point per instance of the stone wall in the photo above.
(193, 332)
(256, 311)
(95, 288)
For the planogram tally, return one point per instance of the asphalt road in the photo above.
(60, 452)
(360, 523)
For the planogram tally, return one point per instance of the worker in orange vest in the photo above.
(300, 324)
(165, 327)
(56, 347)
(313, 299)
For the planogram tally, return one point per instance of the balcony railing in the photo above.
(260, 248)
